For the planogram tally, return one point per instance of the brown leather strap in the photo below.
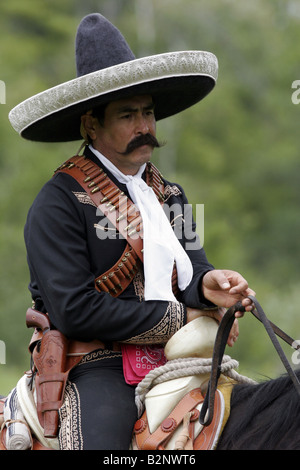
(206, 438)
(112, 202)
(76, 349)
(158, 439)
(118, 277)
(122, 213)
(81, 348)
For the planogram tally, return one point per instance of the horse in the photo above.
(265, 416)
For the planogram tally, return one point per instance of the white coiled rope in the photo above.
(184, 367)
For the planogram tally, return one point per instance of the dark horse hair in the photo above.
(265, 416)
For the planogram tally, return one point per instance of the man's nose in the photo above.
(142, 125)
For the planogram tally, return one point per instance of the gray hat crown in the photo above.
(99, 45)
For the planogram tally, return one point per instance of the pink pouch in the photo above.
(138, 360)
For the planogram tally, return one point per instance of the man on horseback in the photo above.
(105, 263)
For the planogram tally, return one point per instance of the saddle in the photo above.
(170, 420)
(181, 429)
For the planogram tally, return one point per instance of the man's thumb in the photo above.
(223, 281)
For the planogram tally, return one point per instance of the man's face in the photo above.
(124, 121)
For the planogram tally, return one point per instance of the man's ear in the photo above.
(88, 127)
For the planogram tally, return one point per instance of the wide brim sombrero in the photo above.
(107, 70)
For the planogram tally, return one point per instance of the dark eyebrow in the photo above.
(149, 107)
(129, 109)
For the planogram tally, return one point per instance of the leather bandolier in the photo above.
(52, 353)
(123, 215)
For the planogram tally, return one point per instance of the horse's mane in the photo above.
(264, 416)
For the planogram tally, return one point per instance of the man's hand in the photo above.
(216, 314)
(224, 288)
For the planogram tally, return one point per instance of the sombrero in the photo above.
(107, 70)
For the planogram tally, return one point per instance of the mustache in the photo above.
(139, 141)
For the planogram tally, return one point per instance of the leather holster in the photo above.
(50, 360)
(53, 356)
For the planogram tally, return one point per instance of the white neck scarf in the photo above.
(160, 244)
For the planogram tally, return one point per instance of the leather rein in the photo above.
(207, 410)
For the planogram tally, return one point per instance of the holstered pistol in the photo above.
(49, 358)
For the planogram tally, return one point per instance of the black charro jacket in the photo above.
(65, 255)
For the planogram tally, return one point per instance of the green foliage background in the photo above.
(237, 152)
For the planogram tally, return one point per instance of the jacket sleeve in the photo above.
(59, 259)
